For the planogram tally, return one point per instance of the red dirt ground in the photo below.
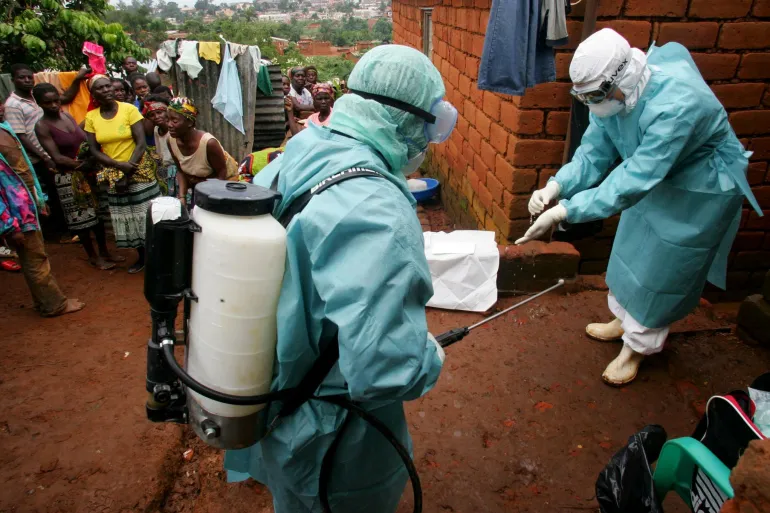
(519, 421)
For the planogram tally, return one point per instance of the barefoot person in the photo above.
(21, 202)
(116, 139)
(61, 138)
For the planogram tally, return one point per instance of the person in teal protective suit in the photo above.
(680, 187)
(355, 263)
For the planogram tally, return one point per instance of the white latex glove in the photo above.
(543, 197)
(548, 219)
(439, 350)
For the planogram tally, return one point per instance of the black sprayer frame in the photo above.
(341, 401)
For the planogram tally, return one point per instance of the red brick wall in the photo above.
(506, 146)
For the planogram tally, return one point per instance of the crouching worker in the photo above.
(680, 187)
(355, 268)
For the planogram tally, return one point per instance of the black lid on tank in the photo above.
(235, 198)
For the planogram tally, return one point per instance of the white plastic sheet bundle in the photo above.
(463, 267)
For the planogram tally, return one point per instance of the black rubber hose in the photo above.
(240, 400)
(341, 401)
(377, 424)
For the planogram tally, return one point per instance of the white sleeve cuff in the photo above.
(439, 350)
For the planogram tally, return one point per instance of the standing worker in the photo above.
(355, 267)
(680, 186)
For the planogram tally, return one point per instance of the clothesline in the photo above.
(228, 98)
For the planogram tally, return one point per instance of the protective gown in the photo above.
(680, 187)
(355, 260)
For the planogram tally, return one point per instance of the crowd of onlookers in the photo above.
(59, 178)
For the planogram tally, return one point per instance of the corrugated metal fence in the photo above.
(202, 89)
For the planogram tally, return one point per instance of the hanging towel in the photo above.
(188, 60)
(237, 50)
(96, 60)
(164, 59)
(514, 56)
(79, 106)
(263, 81)
(49, 77)
(149, 66)
(169, 47)
(256, 57)
(553, 20)
(210, 51)
(228, 99)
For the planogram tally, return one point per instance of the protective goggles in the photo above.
(439, 122)
(595, 96)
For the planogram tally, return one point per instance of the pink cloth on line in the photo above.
(95, 54)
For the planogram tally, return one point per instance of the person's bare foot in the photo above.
(72, 306)
(101, 264)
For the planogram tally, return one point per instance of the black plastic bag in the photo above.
(625, 485)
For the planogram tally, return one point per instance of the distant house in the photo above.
(280, 44)
(229, 13)
(364, 45)
(310, 47)
(276, 16)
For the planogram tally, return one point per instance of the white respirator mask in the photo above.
(439, 122)
(606, 108)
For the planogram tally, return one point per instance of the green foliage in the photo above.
(243, 32)
(331, 67)
(328, 68)
(352, 30)
(50, 34)
(382, 30)
(148, 30)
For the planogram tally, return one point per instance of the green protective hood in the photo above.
(398, 72)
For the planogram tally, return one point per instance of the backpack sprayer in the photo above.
(225, 263)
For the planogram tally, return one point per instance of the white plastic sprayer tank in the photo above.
(238, 264)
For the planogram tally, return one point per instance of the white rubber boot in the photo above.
(605, 332)
(622, 370)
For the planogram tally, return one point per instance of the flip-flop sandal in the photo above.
(10, 265)
(116, 259)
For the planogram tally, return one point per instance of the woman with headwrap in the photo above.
(62, 139)
(116, 139)
(323, 99)
(155, 114)
(198, 154)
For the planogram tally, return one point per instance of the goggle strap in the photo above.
(397, 104)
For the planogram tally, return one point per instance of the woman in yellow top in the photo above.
(116, 139)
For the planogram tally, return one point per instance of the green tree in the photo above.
(50, 34)
(382, 30)
(148, 29)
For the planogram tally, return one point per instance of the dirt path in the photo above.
(519, 422)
